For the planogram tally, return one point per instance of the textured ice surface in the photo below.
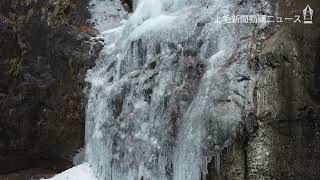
(168, 90)
(106, 14)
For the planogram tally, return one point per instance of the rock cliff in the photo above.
(281, 138)
(46, 48)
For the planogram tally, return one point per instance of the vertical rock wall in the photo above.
(285, 142)
(45, 50)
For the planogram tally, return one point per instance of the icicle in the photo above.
(141, 120)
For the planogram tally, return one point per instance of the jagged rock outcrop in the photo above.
(127, 4)
(284, 143)
(46, 48)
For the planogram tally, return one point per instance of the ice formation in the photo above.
(168, 90)
(80, 172)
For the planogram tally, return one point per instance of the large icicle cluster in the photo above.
(168, 89)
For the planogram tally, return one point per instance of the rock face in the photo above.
(284, 140)
(286, 145)
(46, 48)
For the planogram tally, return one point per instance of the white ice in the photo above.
(164, 122)
(80, 172)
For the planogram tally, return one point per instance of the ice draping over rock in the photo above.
(169, 88)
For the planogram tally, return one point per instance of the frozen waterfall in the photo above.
(169, 88)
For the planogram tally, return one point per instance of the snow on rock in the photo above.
(80, 172)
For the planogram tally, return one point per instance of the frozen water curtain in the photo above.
(169, 88)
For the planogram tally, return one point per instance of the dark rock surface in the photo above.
(45, 50)
(29, 174)
(284, 143)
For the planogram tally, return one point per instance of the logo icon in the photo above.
(307, 15)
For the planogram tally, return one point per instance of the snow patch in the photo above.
(80, 172)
